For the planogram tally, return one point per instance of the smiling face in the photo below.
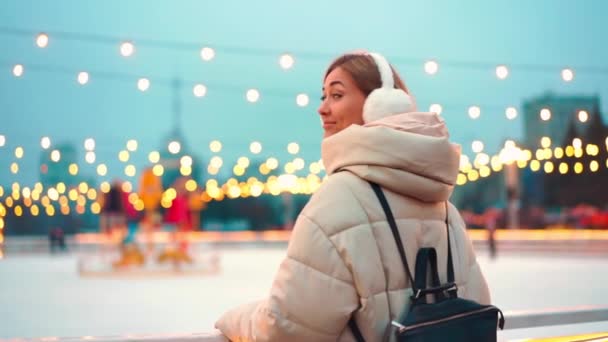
(341, 103)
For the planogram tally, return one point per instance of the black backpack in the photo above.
(449, 318)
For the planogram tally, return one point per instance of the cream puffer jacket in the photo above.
(342, 259)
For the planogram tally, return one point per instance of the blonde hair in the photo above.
(362, 68)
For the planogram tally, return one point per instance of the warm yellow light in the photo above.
(272, 163)
(34, 210)
(511, 113)
(14, 168)
(90, 157)
(143, 84)
(293, 148)
(127, 187)
(290, 168)
(314, 168)
(583, 116)
(102, 169)
(545, 142)
(578, 152)
(73, 169)
(27, 193)
(484, 171)
(199, 90)
(50, 210)
(207, 53)
(127, 49)
(18, 70)
(61, 188)
(130, 170)
(594, 166)
(215, 146)
(132, 145)
(9, 202)
(502, 72)
(578, 167)
(19, 152)
(577, 143)
(105, 187)
(474, 112)
(558, 152)
(55, 156)
(123, 156)
(65, 210)
(253, 95)
(191, 185)
(238, 170)
(473, 175)
(42, 40)
(549, 167)
(264, 169)
(298, 163)
(545, 114)
(45, 142)
(158, 170)
(95, 208)
(18, 211)
(3, 140)
(92, 194)
(243, 162)
(73, 194)
(185, 161)
(534, 165)
(461, 179)
(477, 146)
(234, 191)
(185, 170)
(212, 170)
(436, 108)
(174, 147)
(154, 157)
(53, 194)
(431, 67)
(567, 74)
(83, 187)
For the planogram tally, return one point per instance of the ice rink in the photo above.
(43, 295)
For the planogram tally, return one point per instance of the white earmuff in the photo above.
(386, 100)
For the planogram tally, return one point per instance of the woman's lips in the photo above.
(327, 125)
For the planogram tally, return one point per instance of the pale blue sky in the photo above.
(248, 37)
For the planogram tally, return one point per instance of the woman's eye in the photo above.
(323, 98)
(336, 96)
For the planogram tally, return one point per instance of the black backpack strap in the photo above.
(450, 263)
(355, 330)
(428, 256)
(393, 225)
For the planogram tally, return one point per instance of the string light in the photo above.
(83, 77)
(199, 90)
(302, 100)
(511, 113)
(45, 143)
(143, 84)
(436, 108)
(255, 147)
(207, 54)
(583, 116)
(545, 114)
(502, 72)
(474, 112)
(3, 140)
(154, 157)
(567, 74)
(127, 49)
(286, 61)
(42, 40)
(18, 70)
(293, 148)
(431, 67)
(253, 95)
(215, 146)
(89, 144)
(174, 147)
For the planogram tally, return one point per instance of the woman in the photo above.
(342, 259)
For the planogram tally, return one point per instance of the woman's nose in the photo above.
(323, 108)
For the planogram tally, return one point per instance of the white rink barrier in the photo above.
(514, 320)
